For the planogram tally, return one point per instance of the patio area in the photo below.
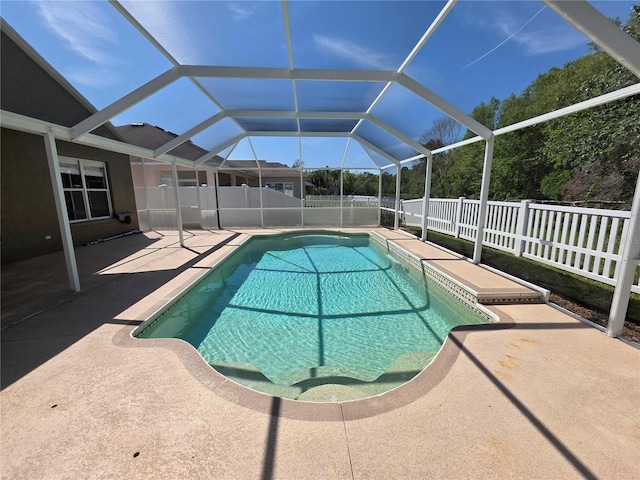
(537, 395)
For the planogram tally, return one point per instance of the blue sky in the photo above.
(482, 49)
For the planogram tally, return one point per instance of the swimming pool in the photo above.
(289, 314)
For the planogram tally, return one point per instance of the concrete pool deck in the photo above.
(539, 396)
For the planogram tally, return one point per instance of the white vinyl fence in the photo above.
(584, 241)
(248, 207)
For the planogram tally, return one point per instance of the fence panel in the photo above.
(442, 216)
(501, 225)
(585, 241)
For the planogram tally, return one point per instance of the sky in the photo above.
(481, 49)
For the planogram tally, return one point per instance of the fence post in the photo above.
(521, 227)
(458, 216)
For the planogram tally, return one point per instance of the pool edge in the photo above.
(384, 402)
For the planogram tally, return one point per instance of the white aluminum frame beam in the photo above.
(444, 106)
(266, 73)
(311, 115)
(103, 116)
(61, 210)
(629, 261)
(174, 172)
(396, 220)
(600, 30)
(414, 52)
(180, 139)
(399, 135)
(578, 107)
(378, 150)
(22, 123)
(484, 197)
(427, 195)
(213, 152)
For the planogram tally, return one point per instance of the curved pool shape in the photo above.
(314, 317)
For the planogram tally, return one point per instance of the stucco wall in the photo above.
(27, 204)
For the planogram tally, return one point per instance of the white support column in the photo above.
(630, 251)
(484, 196)
(427, 194)
(397, 213)
(261, 208)
(302, 194)
(178, 207)
(341, 198)
(216, 179)
(379, 196)
(61, 210)
(144, 179)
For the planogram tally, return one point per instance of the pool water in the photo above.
(287, 314)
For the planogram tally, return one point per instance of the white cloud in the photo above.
(81, 25)
(90, 76)
(550, 40)
(536, 42)
(240, 11)
(352, 52)
(167, 23)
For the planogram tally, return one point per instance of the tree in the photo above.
(444, 131)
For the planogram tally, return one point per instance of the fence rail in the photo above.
(584, 241)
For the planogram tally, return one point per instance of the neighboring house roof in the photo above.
(152, 137)
(271, 169)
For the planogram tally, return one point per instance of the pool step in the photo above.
(471, 284)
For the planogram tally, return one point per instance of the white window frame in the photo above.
(82, 163)
(286, 191)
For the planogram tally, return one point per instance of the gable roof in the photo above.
(152, 137)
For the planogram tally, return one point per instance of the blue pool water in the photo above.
(285, 314)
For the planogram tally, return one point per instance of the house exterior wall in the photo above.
(28, 214)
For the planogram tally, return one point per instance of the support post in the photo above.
(144, 179)
(341, 199)
(302, 195)
(61, 210)
(521, 227)
(178, 207)
(630, 251)
(484, 196)
(260, 190)
(216, 186)
(427, 195)
(397, 212)
(379, 196)
(459, 207)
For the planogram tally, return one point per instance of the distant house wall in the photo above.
(28, 214)
(290, 179)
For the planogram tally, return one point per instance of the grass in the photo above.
(590, 293)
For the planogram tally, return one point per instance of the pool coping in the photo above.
(225, 388)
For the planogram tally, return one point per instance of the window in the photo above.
(284, 187)
(86, 189)
(186, 178)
